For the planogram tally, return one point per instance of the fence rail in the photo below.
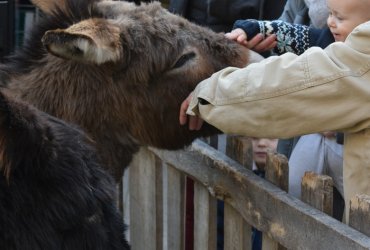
(154, 206)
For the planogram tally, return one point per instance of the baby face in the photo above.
(345, 15)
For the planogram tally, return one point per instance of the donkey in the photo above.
(119, 71)
(53, 192)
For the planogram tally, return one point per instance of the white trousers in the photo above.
(318, 154)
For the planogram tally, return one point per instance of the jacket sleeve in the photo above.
(320, 37)
(289, 95)
(290, 37)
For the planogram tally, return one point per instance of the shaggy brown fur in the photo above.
(53, 192)
(119, 71)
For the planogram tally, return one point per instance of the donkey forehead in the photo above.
(151, 17)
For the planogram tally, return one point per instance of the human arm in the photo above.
(290, 95)
(280, 36)
(290, 37)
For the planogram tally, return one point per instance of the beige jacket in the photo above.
(293, 95)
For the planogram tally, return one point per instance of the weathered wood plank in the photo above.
(270, 244)
(237, 233)
(159, 202)
(175, 202)
(266, 207)
(126, 201)
(205, 219)
(359, 214)
(239, 148)
(277, 172)
(317, 190)
(142, 201)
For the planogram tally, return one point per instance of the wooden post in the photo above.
(317, 190)
(359, 213)
(159, 165)
(237, 232)
(143, 224)
(205, 219)
(239, 148)
(276, 172)
(175, 205)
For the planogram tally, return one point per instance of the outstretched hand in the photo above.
(195, 122)
(258, 43)
(238, 35)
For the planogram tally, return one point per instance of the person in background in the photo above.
(260, 148)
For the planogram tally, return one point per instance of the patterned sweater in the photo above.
(295, 38)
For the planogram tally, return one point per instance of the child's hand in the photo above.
(195, 122)
(238, 35)
(258, 43)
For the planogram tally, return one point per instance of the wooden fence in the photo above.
(156, 203)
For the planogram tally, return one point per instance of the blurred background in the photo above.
(16, 17)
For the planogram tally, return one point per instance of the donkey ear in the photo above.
(92, 41)
(47, 6)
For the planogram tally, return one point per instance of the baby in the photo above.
(344, 16)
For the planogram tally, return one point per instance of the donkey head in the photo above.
(155, 57)
(120, 71)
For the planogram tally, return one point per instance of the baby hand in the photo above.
(238, 35)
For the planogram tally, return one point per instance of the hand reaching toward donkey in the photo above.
(195, 122)
(258, 43)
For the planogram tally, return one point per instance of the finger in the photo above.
(268, 43)
(235, 34)
(244, 43)
(199, 123)
(272, 45)
(231, 35)
(195, 123)
(255, 41)
(241, 38)
(271, 38)
(183, 117)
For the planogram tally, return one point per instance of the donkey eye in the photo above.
(183, 59)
